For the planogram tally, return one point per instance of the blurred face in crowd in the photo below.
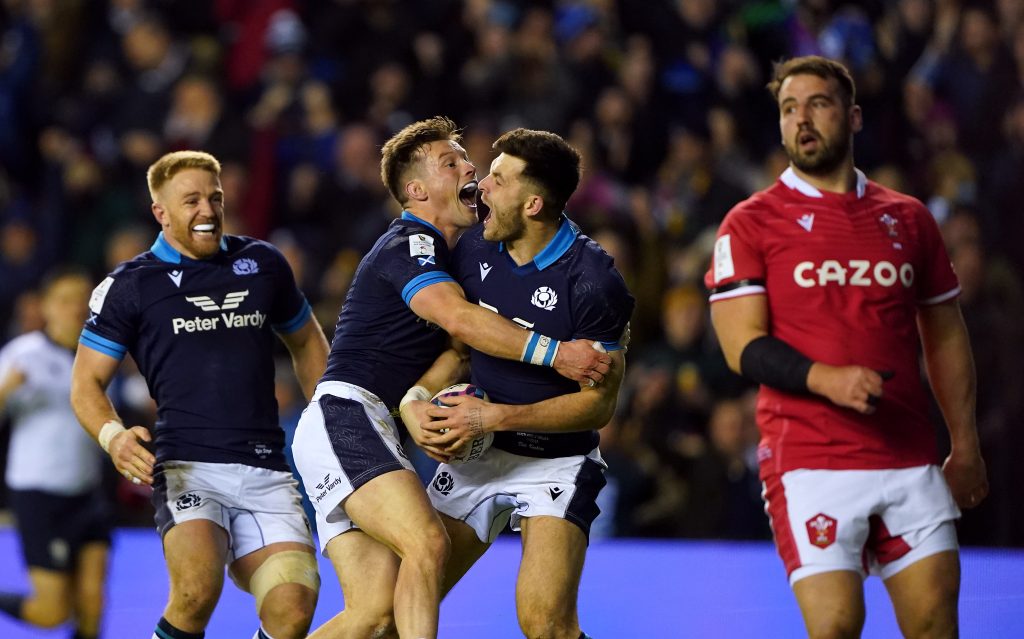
(450, 181)
(65, 306)
(507, 194)
(817, 127)
(190, 208)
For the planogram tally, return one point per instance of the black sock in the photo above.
(81, 635)
(584, 635)
(10, 603)
(164, 630)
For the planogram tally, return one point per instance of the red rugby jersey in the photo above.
(843, 275)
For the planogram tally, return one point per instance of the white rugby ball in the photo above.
(478, 445)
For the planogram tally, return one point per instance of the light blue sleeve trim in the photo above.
(296, 322)
(422, 281)
(102, 344)
(611, 346)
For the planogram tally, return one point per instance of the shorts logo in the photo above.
(544, 298)
(443, 483)
(821, 530)
(326, 486)
(188, 500)
(60, 552)
(245, 266)
(556, 492)
(261, 450)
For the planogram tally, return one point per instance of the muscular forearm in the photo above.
(586, 410)
(951, 374)
(91, 405)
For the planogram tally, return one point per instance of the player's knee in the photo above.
(375, 625)
(46, 609)
(430, 548)
(194, 600)
(835, 627)
(936, 619)
(544, 622)
(287, 610)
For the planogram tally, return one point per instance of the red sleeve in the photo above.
(936, 281)
(737, 263)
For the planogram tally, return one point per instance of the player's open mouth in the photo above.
(204, 229)
(468, 193)
(807, 139)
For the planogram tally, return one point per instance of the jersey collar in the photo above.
(409, 217)
(794, 181)
(556, 248)
(167, 253)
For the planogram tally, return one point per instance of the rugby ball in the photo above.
(475, 449)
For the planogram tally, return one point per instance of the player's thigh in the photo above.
(367, 571)
(466, 550)
(554, 550)
(195, 552)
(832, 603)
(924, 595)
(393, 508)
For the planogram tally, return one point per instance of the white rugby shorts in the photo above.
(256, 506)
(345, 438)
(501, 488)
(868, 521)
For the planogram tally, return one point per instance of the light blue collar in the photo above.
(406, 215)
(167, 253)
(556, 248)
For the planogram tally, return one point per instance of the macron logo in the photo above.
(175, 277)
(807, 221)
(485, 270)
(231, 300)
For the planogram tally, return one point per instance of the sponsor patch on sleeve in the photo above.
(421, 244)
(724, 267)
(99, 295)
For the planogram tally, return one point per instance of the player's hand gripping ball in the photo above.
(480, 443)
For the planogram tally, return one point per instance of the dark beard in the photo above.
(828, 158)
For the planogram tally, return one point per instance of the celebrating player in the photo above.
(374, 520)
(54, 469)
(821, 287)
(198, 313)
(544, 470)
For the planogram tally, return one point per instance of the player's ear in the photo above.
(160, 213)
(533, 205)
(416, 190)
(856, 118)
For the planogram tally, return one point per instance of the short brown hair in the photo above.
(401, 150)
(552, 164)
(815, 65)
(161, 171)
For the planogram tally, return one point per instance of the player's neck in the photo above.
(533, 241)
(842, 180)
(450, 231)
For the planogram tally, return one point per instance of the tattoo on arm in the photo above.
(476, 422)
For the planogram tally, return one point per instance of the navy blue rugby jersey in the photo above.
(570, 290)
(379, 343)
(202, 333)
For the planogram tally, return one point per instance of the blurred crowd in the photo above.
(665, 100)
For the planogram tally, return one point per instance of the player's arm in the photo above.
(450, 366)
(468, 417)
(741, 324)
(950, 366)
(90, 376)
(11, 382)
(308, 348)
(445, 304)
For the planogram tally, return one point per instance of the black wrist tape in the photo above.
(770, 361)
